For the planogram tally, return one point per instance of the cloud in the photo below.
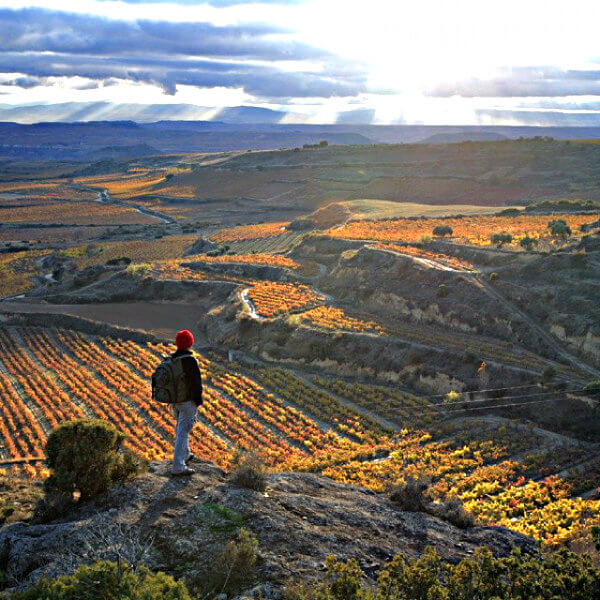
(261, 81)
(23, 82)
(546, 118)
(43, 43)
(41, 30)
(524, 81)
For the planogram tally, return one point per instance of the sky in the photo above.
(454, 62)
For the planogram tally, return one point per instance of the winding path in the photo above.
(105, 198)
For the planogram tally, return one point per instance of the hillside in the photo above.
(363, 316)
(298, 521)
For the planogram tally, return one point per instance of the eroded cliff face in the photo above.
(389, 286)
(587, 344)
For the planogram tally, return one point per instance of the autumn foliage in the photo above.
(474, 230)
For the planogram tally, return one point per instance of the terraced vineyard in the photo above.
(282, 242)
(473, 230)
(271, 298)
(371, 435)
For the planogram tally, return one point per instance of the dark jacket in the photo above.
(193, 377)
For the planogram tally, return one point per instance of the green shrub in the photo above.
(106, 581)
(562, 574)
(559, 228)
(442, 230)
(528, 243)
(139, 270)
(592, 389)
(442, 290)
(85, 457)
(501, 238)
(248, 470)
(235, 566)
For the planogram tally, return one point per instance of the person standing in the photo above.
(186, 410)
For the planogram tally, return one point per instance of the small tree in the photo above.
(323, 143)
(559, 228)
(499, 239)
(442, 230)
(528, 243)
(85, 457)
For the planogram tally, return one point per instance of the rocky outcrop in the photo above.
(299, 520)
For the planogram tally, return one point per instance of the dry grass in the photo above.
(249, 232)
(474, 230)
(387, 209)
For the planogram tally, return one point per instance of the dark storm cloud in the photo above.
(41, 30)
(264, 82)
(524, 81)
(43, 43)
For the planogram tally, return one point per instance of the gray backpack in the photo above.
(168, 381)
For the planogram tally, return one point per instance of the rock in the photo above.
(300, 521)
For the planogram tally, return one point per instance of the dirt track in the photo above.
(160, 318)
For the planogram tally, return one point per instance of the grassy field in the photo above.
(385, 209)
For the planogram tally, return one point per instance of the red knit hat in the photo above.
(184, 340)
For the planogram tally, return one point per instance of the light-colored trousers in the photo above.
(185, 413)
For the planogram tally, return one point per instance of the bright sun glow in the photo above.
(425, 61)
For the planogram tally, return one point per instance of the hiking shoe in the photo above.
(183, 473)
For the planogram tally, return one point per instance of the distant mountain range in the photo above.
(76, 131)
(68, 112)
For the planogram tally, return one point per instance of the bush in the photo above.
(85, 457)
(501, 238)
(442, 290)
(559, 228)
(453, 512)
(412, 494)
(562, 574)
(138, 270)
(442, 230)
(235, 566)
(528, 243)
(548, 373)
(470, 356)
(592, 389)
(248, 470)
(106, 581)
